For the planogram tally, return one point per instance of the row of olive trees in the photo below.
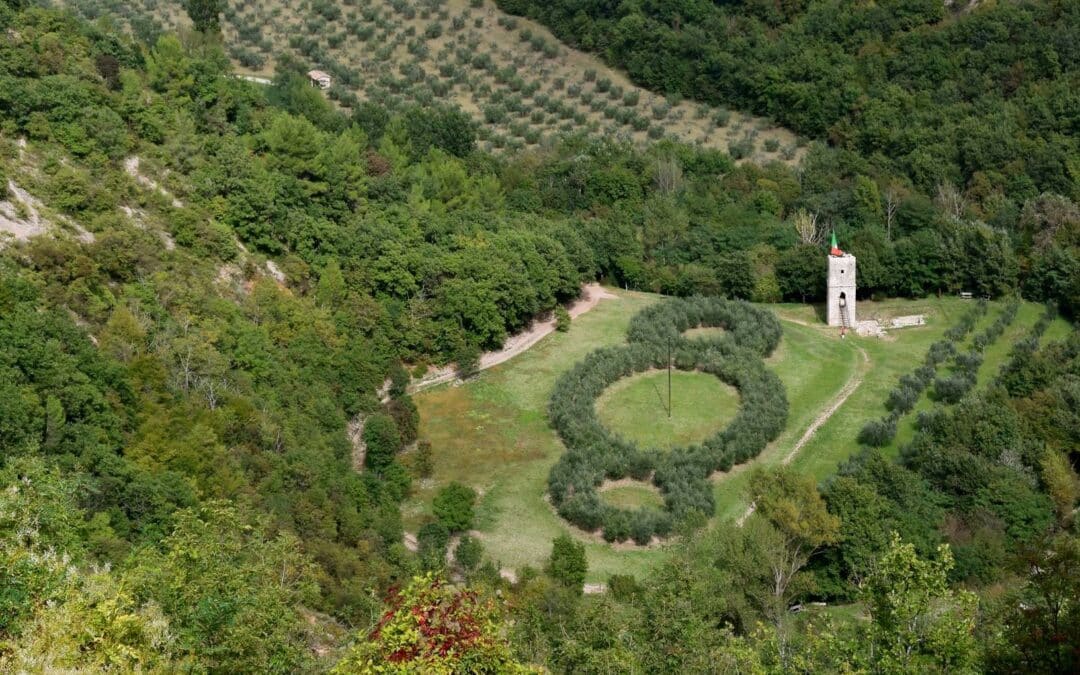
(1013, 374)
(902, 398)
(595, 453)
(949, 389)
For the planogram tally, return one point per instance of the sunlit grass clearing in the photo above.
(636, 408)
(632, 495)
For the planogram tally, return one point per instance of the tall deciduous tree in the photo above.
(918, 623)
(1041, 620)
(382, 440)
(801, 273)
(210, 578)
(791, 503)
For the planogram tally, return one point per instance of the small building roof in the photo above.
(318, 75)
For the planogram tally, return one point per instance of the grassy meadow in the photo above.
(493, 433)
(631, 495)
(636, 408)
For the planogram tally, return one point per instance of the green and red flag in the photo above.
(835, 249)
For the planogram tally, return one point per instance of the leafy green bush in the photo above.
(468, 553)
(382, 440)
(453, 506)
(567, 563)
(432, 540)
(952, 388)
(494, 114)
(878, 433)
(562, 319)
(624, 587)
(406, 417)
(742, 148)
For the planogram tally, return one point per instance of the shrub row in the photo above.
(951, 388)
(594, 453)
(902, 398)
(1015, 374)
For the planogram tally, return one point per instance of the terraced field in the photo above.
(509, 73)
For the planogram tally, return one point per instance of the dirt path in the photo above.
(589, 589)
(822, 418)
(591, 295)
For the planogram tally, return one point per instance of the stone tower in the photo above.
(840, 309)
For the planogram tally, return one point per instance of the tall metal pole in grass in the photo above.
(669, 378)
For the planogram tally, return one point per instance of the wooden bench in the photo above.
(965, 295)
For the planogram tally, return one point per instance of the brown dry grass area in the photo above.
(458, 458)
(485, 32)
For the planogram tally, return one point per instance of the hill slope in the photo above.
(509, 73)
(981, 95)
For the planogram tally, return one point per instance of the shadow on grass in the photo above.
(663, 405)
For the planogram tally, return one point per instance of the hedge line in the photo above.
(594, 453)
(947, 389)
(905, 395)
(952, 388)
(1013, 374)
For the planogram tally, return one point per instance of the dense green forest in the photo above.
(974, 105)
(980, 94)
(231, 277)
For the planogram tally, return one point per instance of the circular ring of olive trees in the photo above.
(595, 453)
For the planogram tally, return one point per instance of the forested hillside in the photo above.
(213, 294)
(974, 104)
(511, 75)
(983, 95)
